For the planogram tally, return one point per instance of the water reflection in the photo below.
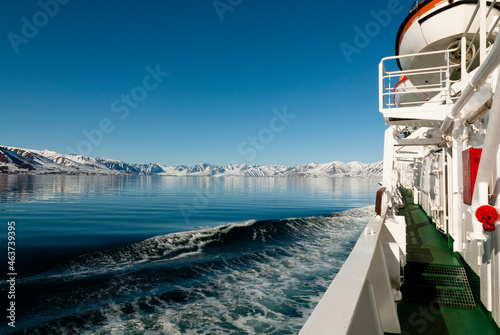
(60, 216)
(59, 188)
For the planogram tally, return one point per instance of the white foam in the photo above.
(179, 245)
(272, 292)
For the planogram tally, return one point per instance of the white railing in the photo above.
(388, 81)
(361, 298)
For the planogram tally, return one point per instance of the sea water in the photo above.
(174, 255)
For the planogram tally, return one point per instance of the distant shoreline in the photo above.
(17, 161)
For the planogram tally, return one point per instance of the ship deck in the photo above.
(440, 293)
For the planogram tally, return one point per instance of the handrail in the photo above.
(443, 86)
(359, 300)
(365, 284)
(420, 54)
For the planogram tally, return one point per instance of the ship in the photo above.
(428, 262)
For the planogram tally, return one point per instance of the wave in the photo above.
(243, 278)
(187, 245)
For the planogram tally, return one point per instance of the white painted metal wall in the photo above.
(483, 257)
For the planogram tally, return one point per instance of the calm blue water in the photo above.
(170, 255)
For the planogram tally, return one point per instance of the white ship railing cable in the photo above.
(361, 298)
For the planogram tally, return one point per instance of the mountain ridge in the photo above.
(29, 161)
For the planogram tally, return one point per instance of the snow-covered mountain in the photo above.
(28, 161)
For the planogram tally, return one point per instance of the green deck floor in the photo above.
(428, 249)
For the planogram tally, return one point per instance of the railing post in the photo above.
(381, 86)
(482, 31)
(447, 85)
(463, 63)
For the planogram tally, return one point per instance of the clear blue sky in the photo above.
(250, 81)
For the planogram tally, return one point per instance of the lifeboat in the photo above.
(433, 25)
(406, 95)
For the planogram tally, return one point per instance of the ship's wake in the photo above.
(254, 277)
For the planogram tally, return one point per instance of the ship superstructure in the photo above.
(429, 261)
